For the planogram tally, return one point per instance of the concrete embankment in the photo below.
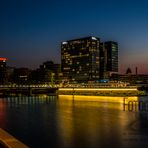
(8, 141)
(101, 91)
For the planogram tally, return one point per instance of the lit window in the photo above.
(66, 68)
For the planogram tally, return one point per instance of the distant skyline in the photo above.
(31, 31)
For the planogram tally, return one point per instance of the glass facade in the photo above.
(87, 59)
(80, 59)
(111, 57)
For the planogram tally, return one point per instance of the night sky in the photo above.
(31, 31)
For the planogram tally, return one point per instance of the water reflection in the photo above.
(16, 101)
(99, 122)
(74, 121)
(3, 114)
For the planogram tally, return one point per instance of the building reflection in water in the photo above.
(29, 100)
(3, 114)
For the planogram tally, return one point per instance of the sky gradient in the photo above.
(31, 31)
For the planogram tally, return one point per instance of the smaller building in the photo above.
(3, 74)
(134, 78)
(110, 58)
(49, 72)
(21, 75)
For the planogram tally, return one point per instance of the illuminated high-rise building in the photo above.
(110, 58)
(80, 59)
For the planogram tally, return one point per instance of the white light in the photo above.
(64, 43)
(93, 38)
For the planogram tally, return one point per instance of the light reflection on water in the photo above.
(79, 121)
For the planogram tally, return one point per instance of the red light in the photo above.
(3, 59)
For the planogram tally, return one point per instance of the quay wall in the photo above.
(101, 91)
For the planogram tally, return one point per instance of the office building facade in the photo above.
(110, 58)
(80, 59)
(102, 61)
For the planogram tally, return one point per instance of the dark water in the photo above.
(66, 122)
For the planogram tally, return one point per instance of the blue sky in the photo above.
(31, 30)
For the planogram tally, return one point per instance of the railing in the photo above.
(63, 86)
(27, 86)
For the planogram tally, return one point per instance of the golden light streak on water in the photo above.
(98, 98)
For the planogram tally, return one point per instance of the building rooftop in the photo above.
(89, 37)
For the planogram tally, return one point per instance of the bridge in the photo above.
(77, 89)
(27, 89)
